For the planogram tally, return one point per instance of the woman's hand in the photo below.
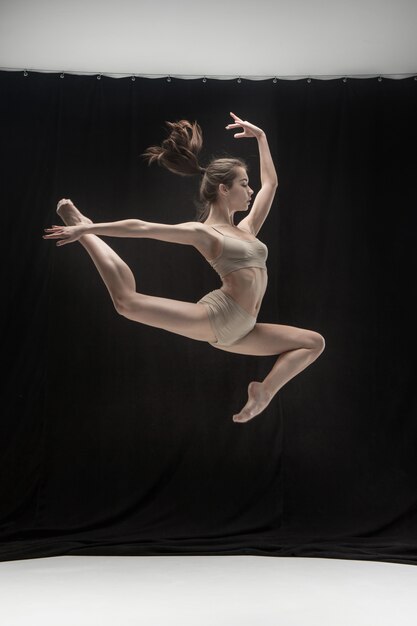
(65, 234)
(249, 130)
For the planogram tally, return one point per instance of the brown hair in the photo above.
(179, 154)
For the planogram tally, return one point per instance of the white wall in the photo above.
(287, 38)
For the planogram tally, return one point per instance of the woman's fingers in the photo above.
(238, 135)
(64, 234)
(55, 228)
(53, 235)
(247, 132)
(58, 232)
(235, 117)
(244, 133)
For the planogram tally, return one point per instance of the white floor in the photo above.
(206, 591)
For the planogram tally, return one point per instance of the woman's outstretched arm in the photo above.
(269, 177)
(191, 233)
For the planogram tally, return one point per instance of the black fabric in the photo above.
(116, 437)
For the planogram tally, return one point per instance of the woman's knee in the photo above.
(317, 341)
(313, 341)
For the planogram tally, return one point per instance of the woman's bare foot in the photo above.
(258, 400)
(69, 213)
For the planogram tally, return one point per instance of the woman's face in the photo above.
(240, 193)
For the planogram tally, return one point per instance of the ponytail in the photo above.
(178, 153)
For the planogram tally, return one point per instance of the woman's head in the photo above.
(224, 171)
(179, 154)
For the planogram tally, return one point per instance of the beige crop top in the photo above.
(237, 253)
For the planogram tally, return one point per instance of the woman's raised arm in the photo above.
(269, 178)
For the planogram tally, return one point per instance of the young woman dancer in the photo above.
(226, 317)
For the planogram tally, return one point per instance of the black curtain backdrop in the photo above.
(116, 437)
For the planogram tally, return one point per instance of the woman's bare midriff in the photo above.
(247, 287)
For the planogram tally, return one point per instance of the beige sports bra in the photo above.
(238, 253)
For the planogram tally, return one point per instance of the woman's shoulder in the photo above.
(207, 229)
(208, 240)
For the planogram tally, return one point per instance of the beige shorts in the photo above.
(229, 321)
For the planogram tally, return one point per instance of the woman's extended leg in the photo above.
(297, 347)
(183, 318)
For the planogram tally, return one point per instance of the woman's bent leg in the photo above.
(297, 349)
